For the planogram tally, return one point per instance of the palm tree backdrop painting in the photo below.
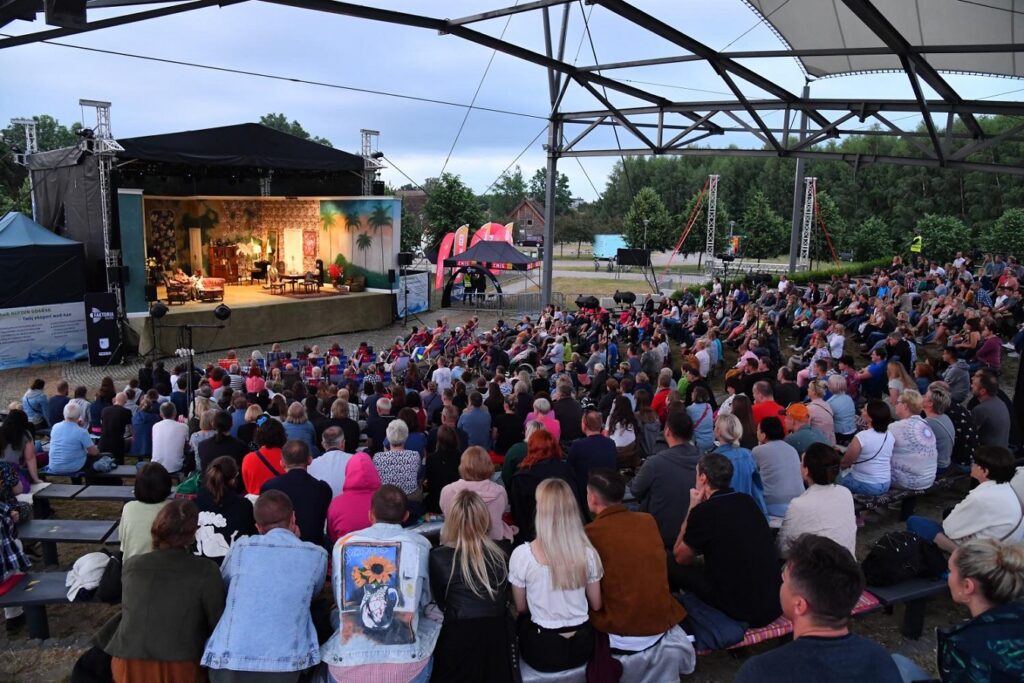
(361, 236)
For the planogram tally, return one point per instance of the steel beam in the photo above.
(507, 11)
(911, 70)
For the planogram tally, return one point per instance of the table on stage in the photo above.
(294, 280)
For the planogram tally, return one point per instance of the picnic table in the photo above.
(121, 494)
(50, 532)
(34, 593)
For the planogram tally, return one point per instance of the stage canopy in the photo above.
(494, 256)
(39, 267)
(245, 145)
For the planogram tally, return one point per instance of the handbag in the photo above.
(109, 588)
(190, 486)
(900, 556)
(602, 667)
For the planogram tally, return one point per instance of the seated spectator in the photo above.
(442, 467)
(476, 422)
(398, 466)
(844, 410)
(115, 427)
(666, 473)
(507, 426)
(70, 445)
(221, 443)
(592, 451)
(957, 375)
(475, 469)
(330, 467)
(800, 432)
(914, 456)
(469, 581)
(517, 453)
(821, 584)
(936, 402)
(745, 477)
(247, 432)
(819, 410)
(417, 439)
(377, 425)
(740, 576)
(543, 461)
(225, 515)
(874, 377)
(341, 416)
(239, 406)
(169, 439)
(381, 585)
(990, 510)
(779, 465)
(264, 463)
(991, 416)
(542, 413)
(350, 511)
(622, 428)
(165, 587)
(634, 615)
(206, 431)
(247, 644)
(36, 405)
(764, 404)
(825, 508)
(555, 579)
(567, 411)
(298, 427)
(55, 404)
(310, 497)
(18, 447)
(152, 489)
(702, 414)
(868, 456)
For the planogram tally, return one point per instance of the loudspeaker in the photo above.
(405, 258)
(391, 275)
(118, 274)
(150, 293)
(379, 188)
(65, 13)
(633, 257)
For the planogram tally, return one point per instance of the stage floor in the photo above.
(259, 317)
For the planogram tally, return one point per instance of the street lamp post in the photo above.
(732, 224)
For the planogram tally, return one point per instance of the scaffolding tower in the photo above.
(31, 147)
(712, 218)
(810, 201)
(371, 159)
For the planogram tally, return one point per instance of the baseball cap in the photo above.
(797, 411)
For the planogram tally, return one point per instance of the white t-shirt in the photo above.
(169, 438)
(824, 511)
(836, 343)
(991, 510)
(551, 608)
(872, 466)
(443, 378)
(330, 467)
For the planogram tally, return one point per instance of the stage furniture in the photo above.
(356, 283)
(311, 283)
(210, 289)
(177, 292)
(259, 272)
(224, 262)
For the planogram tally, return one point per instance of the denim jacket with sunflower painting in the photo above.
(381, 586)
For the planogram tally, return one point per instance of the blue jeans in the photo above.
(863, 488)
(924, 527)
(909, 671)
(778, 509)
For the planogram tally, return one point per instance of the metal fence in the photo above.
(525, 303)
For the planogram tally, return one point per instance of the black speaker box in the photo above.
(391, 275)
(65, 13)
(405, 258)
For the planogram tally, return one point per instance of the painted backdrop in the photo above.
(362, 236)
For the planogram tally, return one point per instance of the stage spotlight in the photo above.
(222, 312)
(157, 310)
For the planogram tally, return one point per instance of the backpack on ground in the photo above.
(900, 556)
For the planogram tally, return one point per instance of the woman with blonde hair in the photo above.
(475, 470)
(298, 427)
(745, 476)
(844, 410)
(469, 581)
(898, 380)
(822, 417)
(556, 579)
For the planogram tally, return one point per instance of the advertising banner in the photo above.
(35, 335)
(101, 329)
(413, 292)
(461, 240)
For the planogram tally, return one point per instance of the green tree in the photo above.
(765, 234)
(835, 224)
(563, 195)
(576, 226)
(450, 203)
(1006, 236)
(648, 224)
(696, 242)
(870, 240)
(363, 244)
(412, 229)
(508, 192)
(942, 237)
(380, 218)
(280, 122)
(50, 134)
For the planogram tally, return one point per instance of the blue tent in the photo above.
(38, 266)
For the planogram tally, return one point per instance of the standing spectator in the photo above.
(991, 417)
(779, 465)
(169, 439)
(310, 497)
(55, 405)
(350, 511)
(224, 514)
(247, 645)
(869, 454)
(821, 584)
(914, 454)
(70, 445)
(298, 427)
(331, 466)
(378, 567)
(665, 474)
(740, 577)
(167, 586)
(475, 470)
(555, 578)
(152, 489)
(469, 581)
(591, 452)
(745, 477)
(476, 422)
(825, 508)
(264, 463)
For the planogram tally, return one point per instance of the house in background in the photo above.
(528, 217)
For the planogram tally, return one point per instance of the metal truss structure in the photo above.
(371, 158)
(31, 147)
(810, 198)
(652, 124)
(712, 219)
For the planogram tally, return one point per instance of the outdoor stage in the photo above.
(259, 317)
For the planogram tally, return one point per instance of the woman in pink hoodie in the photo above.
(350, 511)
(476, 468)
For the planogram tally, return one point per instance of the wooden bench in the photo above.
(34, 593)
(915, 595)
(50, 532)
(906, 497)
(59, 492)
(119, 494)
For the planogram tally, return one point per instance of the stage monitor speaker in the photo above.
(379, 188)
(65, 13)
(633, 257)
(391, 275)
(405, 258)
(118, 274)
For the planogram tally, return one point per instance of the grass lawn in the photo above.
(573, 287)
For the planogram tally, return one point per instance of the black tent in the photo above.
(38, 266)
(493, 256)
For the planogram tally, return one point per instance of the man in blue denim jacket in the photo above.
(266, 632)
(388, 622)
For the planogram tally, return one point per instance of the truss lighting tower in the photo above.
(810, 197)
(371, 159)
(31, 147)
(712, 217)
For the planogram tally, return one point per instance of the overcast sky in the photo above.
(150, 97)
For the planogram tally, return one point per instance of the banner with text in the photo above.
(101, 329)
(413, 293)
(34, 335)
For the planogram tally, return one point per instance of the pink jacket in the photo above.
(350, 511)
(494, 498)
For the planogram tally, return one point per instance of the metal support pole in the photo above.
(31, 147)
(554, 135)
(798, 191)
